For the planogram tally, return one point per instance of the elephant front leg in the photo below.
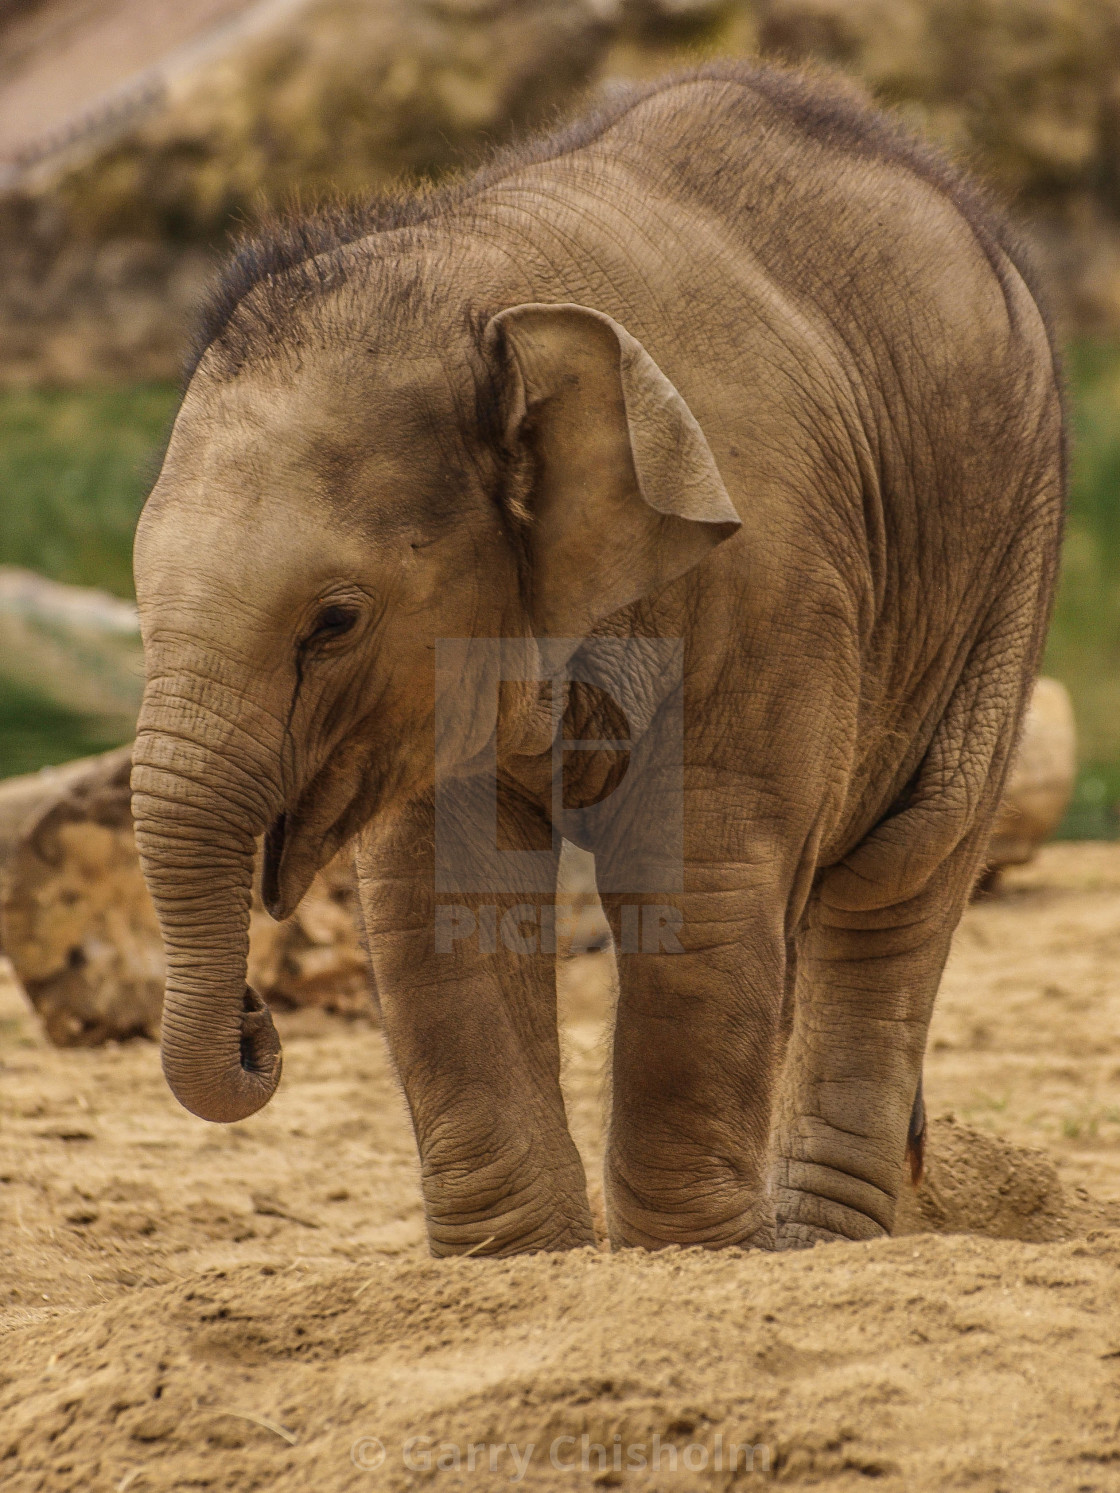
(468, 1004)
(696, 1049)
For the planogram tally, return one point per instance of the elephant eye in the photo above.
(332, 622)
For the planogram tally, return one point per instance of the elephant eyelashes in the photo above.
(332, 622)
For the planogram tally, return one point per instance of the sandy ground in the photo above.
(190, 1307)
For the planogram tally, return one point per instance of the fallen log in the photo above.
(315, 957)
(75, 917)
(81, 933)
(73, 655)
(78, 926)
(1041, 780)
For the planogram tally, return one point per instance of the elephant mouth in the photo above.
(270, 870)
(294, 853)
(300, 841)
(295, 850)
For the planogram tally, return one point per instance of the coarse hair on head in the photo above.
(292, 259)
(268, 290)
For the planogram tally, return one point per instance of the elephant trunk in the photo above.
(197, 818)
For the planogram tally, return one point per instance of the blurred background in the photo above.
(137, 135)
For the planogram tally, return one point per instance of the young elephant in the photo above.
(735, 364)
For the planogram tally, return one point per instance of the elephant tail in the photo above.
(916, 1137)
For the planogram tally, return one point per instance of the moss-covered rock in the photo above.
(348, 96)
(101, 262)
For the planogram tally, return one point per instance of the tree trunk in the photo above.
(1040, 784)
(79, 928)
(75, 918)
(78, 925)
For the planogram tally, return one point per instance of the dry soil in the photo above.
(184, 1306)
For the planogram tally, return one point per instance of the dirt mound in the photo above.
(976, 1183)
(187, 1306)
(897, 1361)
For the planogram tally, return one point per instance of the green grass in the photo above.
(37, 732)
(75, 466)
(1083, 648)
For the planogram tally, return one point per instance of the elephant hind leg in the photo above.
(868, 970)
(847, 1114)
(916, 1137)
(874, 943)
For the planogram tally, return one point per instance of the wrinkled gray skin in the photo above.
(736, 366)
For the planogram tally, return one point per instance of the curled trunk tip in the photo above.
(229, 1090)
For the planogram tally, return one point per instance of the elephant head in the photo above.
(329, 507)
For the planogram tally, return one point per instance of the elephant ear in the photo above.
(626, 495)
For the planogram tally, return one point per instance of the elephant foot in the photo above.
(494, 1246)
(805, 1236)
(740, 1223)
(507, 1236)
(817, 1203)
(486, 1207)
(805, 1219)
